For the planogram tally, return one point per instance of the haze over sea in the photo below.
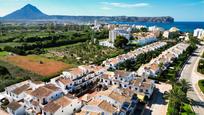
(183, 26)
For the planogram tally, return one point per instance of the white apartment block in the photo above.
(198, 33)
(118, 32)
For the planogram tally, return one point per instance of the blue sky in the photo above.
(181, 10)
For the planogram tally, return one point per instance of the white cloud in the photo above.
(125, 5)
(105, 8)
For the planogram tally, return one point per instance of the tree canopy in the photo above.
(120, 42)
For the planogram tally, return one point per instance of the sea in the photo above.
(183, 26)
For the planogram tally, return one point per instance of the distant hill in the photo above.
(30, 12)
(27, 12)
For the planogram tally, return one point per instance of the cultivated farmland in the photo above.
(36, 64)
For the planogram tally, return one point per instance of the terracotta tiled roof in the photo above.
(14, 105)
(121, 73)
(103, 105)
(154, 66)
(20, 89)
(107, 107)
(51, 87)
(64, 81)
(76, 71)
(87, 113)
(114, 95)
(44, 91)
(55, 105)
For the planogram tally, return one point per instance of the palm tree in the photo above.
(177, 96)
(185, 86)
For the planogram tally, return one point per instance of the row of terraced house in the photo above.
(132, 55)
(162, 62)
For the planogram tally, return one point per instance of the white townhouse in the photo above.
(113, 97)
(66, 105)
(119, 77)
(16, 92)
(79, 77)
(63, 82)
(110, 102)
(120, 100)
(142, 86)
(15, 108)
(36, 99)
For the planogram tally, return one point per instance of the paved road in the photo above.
(188, 73)
(158, 106)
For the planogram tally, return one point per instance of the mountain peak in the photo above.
(29, 6)
(27, 12)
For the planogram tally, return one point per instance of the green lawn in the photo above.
(201, 85)
(3, 53)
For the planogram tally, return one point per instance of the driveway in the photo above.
(157, 105)
(2, 112)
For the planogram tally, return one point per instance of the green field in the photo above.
(12, 44)
(3, 53)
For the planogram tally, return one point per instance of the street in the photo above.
(190, 74)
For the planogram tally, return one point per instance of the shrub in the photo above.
(201, 85)
(200, 67)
